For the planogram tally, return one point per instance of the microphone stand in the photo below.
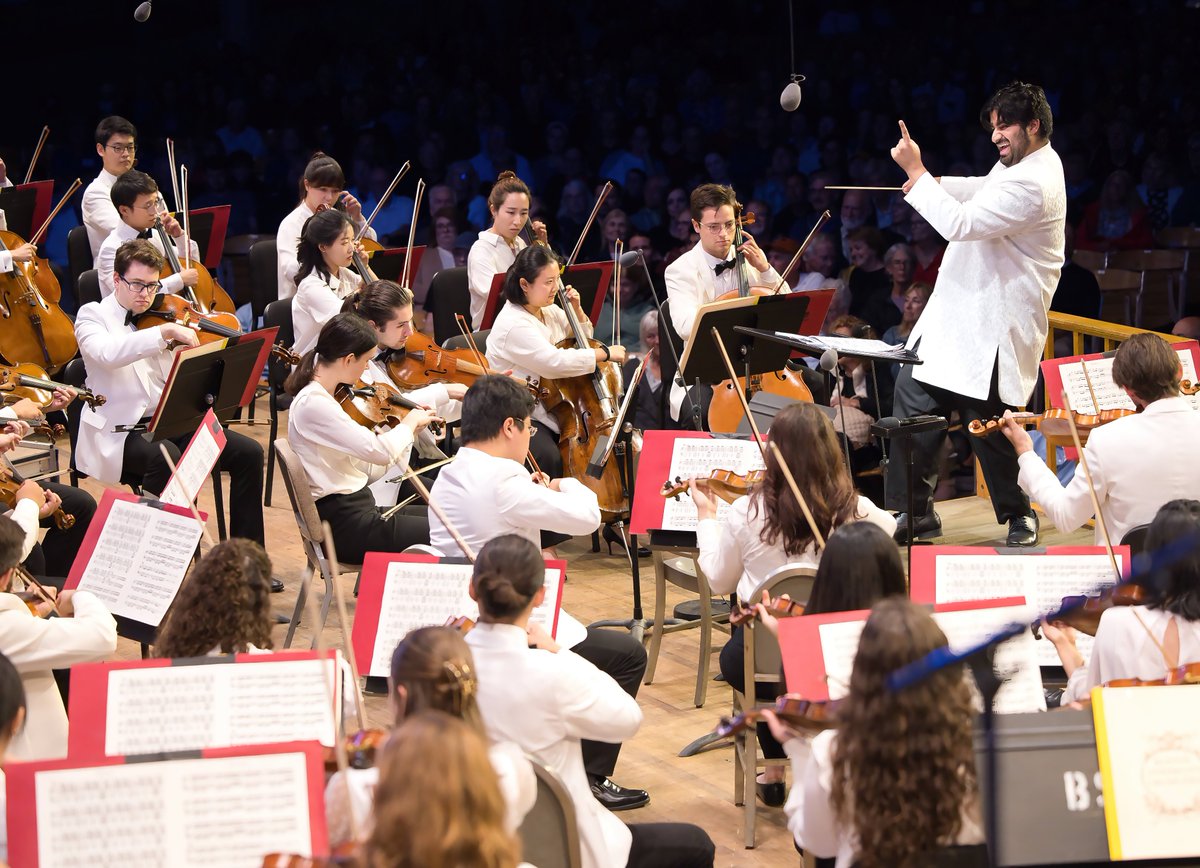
(838, 378)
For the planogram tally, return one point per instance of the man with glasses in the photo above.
(710, 270)
(130, 367)
(116, 143)
(139, 204)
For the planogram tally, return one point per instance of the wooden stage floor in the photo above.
(698, 789)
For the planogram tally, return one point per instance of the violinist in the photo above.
(129, 366)
(1138, 462)
(711, 269)
(139, 205)
(322, 186)
(341, 457)
(525, 335)
(497, 246)
(83, 633)
(895, 780)
(12, 720)
(1144, 641)
(116, 144)
(324, 279)
(549, 699)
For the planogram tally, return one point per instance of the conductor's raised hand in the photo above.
(907, 155)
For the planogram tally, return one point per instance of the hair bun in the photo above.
(505, 175)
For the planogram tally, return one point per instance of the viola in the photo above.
(29, 381)
(209, 327)
(780, 607)
(375, 404)
(1189, 673)
(10, 481)
(360, 750)
(795, 711)
(725, 484)
(423, 362)
(1085, 617)
(1187, 387)
(33, 328)
(1053, 422)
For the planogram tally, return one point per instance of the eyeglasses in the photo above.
(122, 149)
(531, 428)
(140, 288)
(718, 228)
(153, 206)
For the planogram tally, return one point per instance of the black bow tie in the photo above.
(146, 233)
(130, 318)
(725, 266)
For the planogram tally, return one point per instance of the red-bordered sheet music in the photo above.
(160, 706)
(197, 462)
(398, 593)
(1067, 371)
(211, 254)
(220, 807)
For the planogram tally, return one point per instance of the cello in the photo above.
(207, 294)
(725, 411)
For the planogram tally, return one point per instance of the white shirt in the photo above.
(547, 703)
(997, 277)
(100, 215)
(38, 645)
(525, 344)
(733, 555)
(6, 260)
(809, 808)
(25, 514)
(124, 232)
(317, 302)
(339, 455)
(287, 238)
(356, 791)
(1124, 648)
(1138, 463)
(489, 255)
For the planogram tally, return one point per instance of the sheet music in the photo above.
(195, 465)
(697, 457)
(839, 644)
(218, 704)
(1108, 394)
(850, 345)
(1043, 580)
(208, 813)
(140, 559)
(426, 595)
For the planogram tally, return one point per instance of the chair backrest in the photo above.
(264, 276)
(449, 293)
(1092, 260)
(549, 835)
(87, 288)
(763, 660)
(458, 342)
(1118, 280)
(1135, 538)
(279, 314)
(1147, 260)
(79, 254)
(300, 493)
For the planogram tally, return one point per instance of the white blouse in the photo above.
(733, 555)
(287, 239)
(339, 455)
(489, 255)
(317, 302)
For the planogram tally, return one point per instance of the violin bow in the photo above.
(27, 578)
(339, 596)
(382, 199)
(803, 247)
(75, 185)
(758, 438)
(37, 152)
(437, 510)
(406, 273)
(1087, 377)
(604, 191)
(1087, 472)
(172, 170)
(191, 505)
(461, 322)
(187, 224)
(620, 249)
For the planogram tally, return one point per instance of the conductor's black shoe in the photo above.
(1023, 530)
(618, 798)
(276, 586)
(925, 526)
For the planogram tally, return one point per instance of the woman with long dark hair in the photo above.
(324, 278)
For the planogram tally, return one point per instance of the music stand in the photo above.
(23, 204)
(586, 278)
(389, 262)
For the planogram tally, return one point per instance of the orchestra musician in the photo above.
(981, 335)
(525, 335)
(342, 457)
(116, 144)
(12, 719)
(548, 699)
(321, 186)
(136, 198)
(323, 279)
(709, 270)
(497, 246)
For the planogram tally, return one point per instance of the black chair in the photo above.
(277, 314)
(449, 294)
(74, 374)
(264, 277)
(87, 289)
(1135, 538)
(458, 342)
(79, 256)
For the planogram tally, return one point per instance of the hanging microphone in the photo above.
(143, 12)
(828, 360)
(789, 100)
(628, 259)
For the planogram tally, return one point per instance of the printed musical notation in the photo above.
(698, 458)
(1109, 396)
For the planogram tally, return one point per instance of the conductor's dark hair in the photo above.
(12, 694)
(508, 572)
(129, 186)
(1019, 103)
(322, 171)
(1178, 588)
(320, 229)
(527, 266)
(859, 567)
(12, 540)
(488, 403)
(114, 125)
(378, 301)
(346, 334)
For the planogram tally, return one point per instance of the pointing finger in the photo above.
(904, 132)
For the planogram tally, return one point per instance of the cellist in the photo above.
(711, 269)
(26, 252)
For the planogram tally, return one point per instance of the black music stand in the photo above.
(18, 205)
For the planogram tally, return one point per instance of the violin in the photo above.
(1189, 673)
(780, 607)
(795, 711)
(1085, 616)
(209, 327)
(345, 855)
(375, 404)
(725, 484)
(360, 750)
(29, 381)
(725, 410)
(1054, 422)
(33, 328)
(11, 481)
(1187, 387)
(422, 362)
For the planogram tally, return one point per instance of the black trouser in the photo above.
(543, 446)
(623, 658)
(997, 458)
(695, 395)
(733, 662)
(358, 526)
(670, 845)
(55, 554)
(242, 459)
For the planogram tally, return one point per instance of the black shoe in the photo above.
(618, 798)
(1023, 530)
(276, 586)
(925, 526)
(281, 618)
(772, 795)
(376, 685)
(611, 536)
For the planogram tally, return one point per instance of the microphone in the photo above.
(628, 259)
(143, 12)
(828, 360)
(789, 100)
